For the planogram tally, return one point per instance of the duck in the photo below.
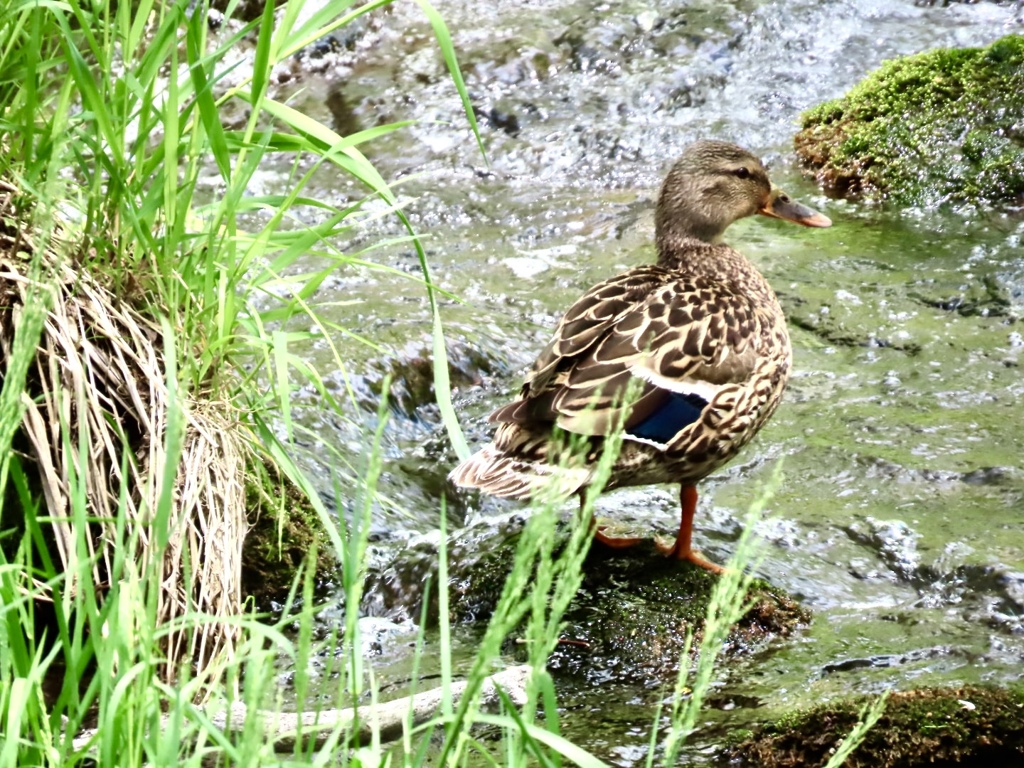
(687, 357)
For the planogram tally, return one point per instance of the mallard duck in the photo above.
(699, 339)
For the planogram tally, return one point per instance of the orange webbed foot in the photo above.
(676, 551)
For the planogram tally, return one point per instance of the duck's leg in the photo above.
(600, 537)
(681, 549)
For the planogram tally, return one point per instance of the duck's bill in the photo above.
(782, 206)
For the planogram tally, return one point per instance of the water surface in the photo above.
(900, 523)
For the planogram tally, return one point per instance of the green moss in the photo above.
(932, 726)
(946, 125)
(284, 530)
(634, 609)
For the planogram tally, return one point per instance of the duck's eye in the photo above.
(742, 172)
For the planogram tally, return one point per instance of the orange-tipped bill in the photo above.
(782, 206)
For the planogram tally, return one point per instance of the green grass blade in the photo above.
(17, 702)
(208, 112)
(444, 42)
(560, 744)
(869, 715)
(262, 65)
(443, 387)
(320, 24)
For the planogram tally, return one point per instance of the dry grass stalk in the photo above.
(96, 404)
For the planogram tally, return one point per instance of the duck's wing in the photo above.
(673, 342)
(582, 327)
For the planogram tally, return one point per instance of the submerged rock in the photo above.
(972, 725)
(410, 371)
(945, 125)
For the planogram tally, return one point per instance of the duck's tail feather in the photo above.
(495, 472)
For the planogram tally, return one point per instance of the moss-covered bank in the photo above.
(946, 125)
(972, 725)
(283, 530)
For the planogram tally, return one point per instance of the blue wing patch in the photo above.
(678, 411)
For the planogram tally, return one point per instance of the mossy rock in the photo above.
(934, 727)
(631, 616)
(946, 125)
(629, 619)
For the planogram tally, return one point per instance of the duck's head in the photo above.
(713, 184)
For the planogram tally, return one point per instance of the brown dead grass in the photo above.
(99, 381)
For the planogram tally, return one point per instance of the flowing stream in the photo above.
(900, 521)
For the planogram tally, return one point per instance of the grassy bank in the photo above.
(147, 371)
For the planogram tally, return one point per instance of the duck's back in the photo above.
(689, 357)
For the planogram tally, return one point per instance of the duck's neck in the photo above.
(700, 229)
(717, 262)
(685, 213)
(686, 253)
